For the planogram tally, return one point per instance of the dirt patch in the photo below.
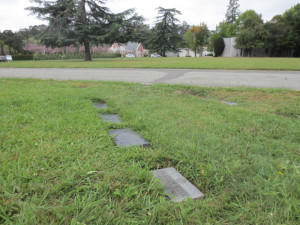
(180, 92)
(192, 93)
(84, 85)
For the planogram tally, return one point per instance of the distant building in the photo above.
(231, 51)
(186, 52)
(206, 52)
(134, 48)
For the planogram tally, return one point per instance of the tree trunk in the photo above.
(87, 51)
(164, 52)
(86, 43)
(195, 52)
(2, 49)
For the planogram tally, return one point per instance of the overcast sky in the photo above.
(13, 16)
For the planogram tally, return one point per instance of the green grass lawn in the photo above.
(60, 166)
(175, 63)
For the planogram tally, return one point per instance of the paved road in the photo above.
(207, 78)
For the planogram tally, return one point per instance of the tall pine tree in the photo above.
(232, 12)
(165, 34)
(84, 22)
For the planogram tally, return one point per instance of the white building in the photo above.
(186, 52)
(230, 50)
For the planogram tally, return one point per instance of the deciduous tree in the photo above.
(251, 32)
(183, 29)
(197, 37)
(276, 38)
(14, 41)
(292, 35)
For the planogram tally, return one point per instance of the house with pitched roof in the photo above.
(134, 48)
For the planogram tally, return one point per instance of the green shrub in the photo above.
(22, 57)
(219, 46)
(75, 56)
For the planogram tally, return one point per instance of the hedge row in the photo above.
(74, 56)
(22, 57)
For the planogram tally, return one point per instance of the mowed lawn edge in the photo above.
(217, 63)
(60, 166)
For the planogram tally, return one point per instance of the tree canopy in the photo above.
(291, 18)
(197, 37)
(84, 22)
(232, 12)
(14, 41)
(252, 34)
(90, 23)
(165, 35)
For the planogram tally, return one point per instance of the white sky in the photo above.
(13, 16)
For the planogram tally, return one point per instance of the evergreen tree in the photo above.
(232, 12)
(142, 33)
(84, 22)
(165, 35)
(219, 46)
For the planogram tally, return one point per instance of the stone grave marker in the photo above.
(113, 118)
(177, 187)
(100, 105)
(229, 103)
(127, 137)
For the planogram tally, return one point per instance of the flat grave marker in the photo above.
(113, 118)
(229, 103)
(127, 137)
(177, 187)
(100, 105)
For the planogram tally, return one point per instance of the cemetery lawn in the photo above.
(60, 166)
(171, 63)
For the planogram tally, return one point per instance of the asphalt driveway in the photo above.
(206, 78)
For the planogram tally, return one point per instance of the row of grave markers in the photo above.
(177, 187)
(122, 137)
